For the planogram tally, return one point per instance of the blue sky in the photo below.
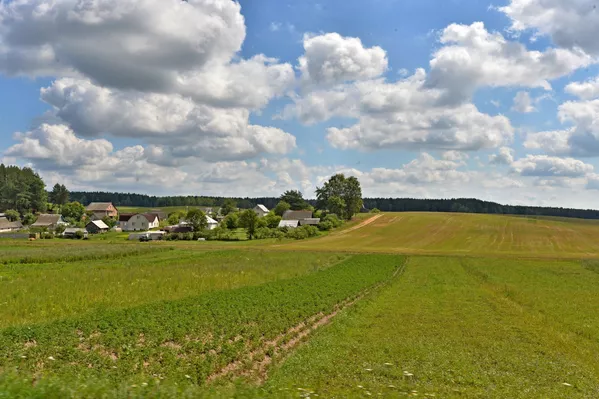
(429, 99)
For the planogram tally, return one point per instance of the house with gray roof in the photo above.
(297, 215)
(6, 226)
(261, 210)
(49, 221)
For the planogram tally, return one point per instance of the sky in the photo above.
(424, 99)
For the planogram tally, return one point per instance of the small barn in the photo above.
(48, 221)
(102, 209)
(290, 224)
(212, 224)
(297, 215)
(97, 226)
(309, 222)
(6, 226)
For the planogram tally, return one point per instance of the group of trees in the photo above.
(22, 190)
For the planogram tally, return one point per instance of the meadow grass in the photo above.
(455, 327)
(174, 343)
(465, 234)
(42, 292)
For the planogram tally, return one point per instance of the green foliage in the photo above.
(340, 195)
(175, 217)
(79, 234)
(110, 222)
(229, 206)
(231, 221)
(265, 232)
(375, 210)
(325, 226)
(12, 215)
(249, 221)
(28, 219)
(272, 220)
(59, 229)
(302, 232)
(73, 211)
(295, 199)
(59, 194)
(281, 208)
(197, 219)
(22, 190)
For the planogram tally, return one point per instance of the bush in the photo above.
(303, 232)
(79, 235)
(325, 226)
(375, 210)
(46, 236)
(333, 219)
(265, 232)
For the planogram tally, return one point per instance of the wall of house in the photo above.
(135, 223)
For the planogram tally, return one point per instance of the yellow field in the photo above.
(466, 234)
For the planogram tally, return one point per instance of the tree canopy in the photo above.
(22, 190)
(197, 219)
(249, 221)
(340, 195)
(295, 199)
(59, 194)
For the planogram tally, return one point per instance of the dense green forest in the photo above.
(466, 205)
(22, 190)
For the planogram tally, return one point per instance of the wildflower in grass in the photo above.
(187, 376)
(360, 386)
(144, 384)
(368, 393)
(391, 386)
(23, 357)
(566, 384)
(51, 358)
(388, 364)
(368, 369)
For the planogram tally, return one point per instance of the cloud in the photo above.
(547, 166)
(570, 24)
(142, 45)
(505, 156)
(275, 26)
(523, 103)
(463, 128)
(332, 58)
(582, 139)
(58, 144)
(471, 57)
(588, 90)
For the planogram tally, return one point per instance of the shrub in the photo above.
(325, 226)
(303, 232)
(375, 210)
(333, 219)
(79, 235)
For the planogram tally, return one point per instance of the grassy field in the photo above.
(466, 234)
(455, 327)
(401, 305)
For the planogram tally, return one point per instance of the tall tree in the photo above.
(229, 206)
(340, 195)
(59, 194)
(22, 190)
(249, 221)
(281, 208)
(73, 211)
(197, 219)
(12, 215)
(295, 199)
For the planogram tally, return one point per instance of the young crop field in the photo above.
(465, 234)
(391, 305)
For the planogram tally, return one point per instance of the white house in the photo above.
(212, 224)
(138, 221)
(261, 210)
(7, 226)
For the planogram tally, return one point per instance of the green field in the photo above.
(404, 305)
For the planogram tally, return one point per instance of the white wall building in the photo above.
(261, 210)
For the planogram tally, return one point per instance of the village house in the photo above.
(48, 221)
(309, 222)
(261, 210)
(138, 221)
(212, 224)
(6, 226)
(293, 219)
(96, 226)
(102, 209)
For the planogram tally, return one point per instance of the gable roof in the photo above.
(297, 215)
(289, 223)
(262, 208)
(310, 221)
(7, 224)
(210, 220)
(151, 217)
(124, 217)
(73, 230)
(99, 224)
(46, 219)
(99, 206)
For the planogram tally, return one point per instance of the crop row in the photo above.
(185, 340)
(62, 253)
